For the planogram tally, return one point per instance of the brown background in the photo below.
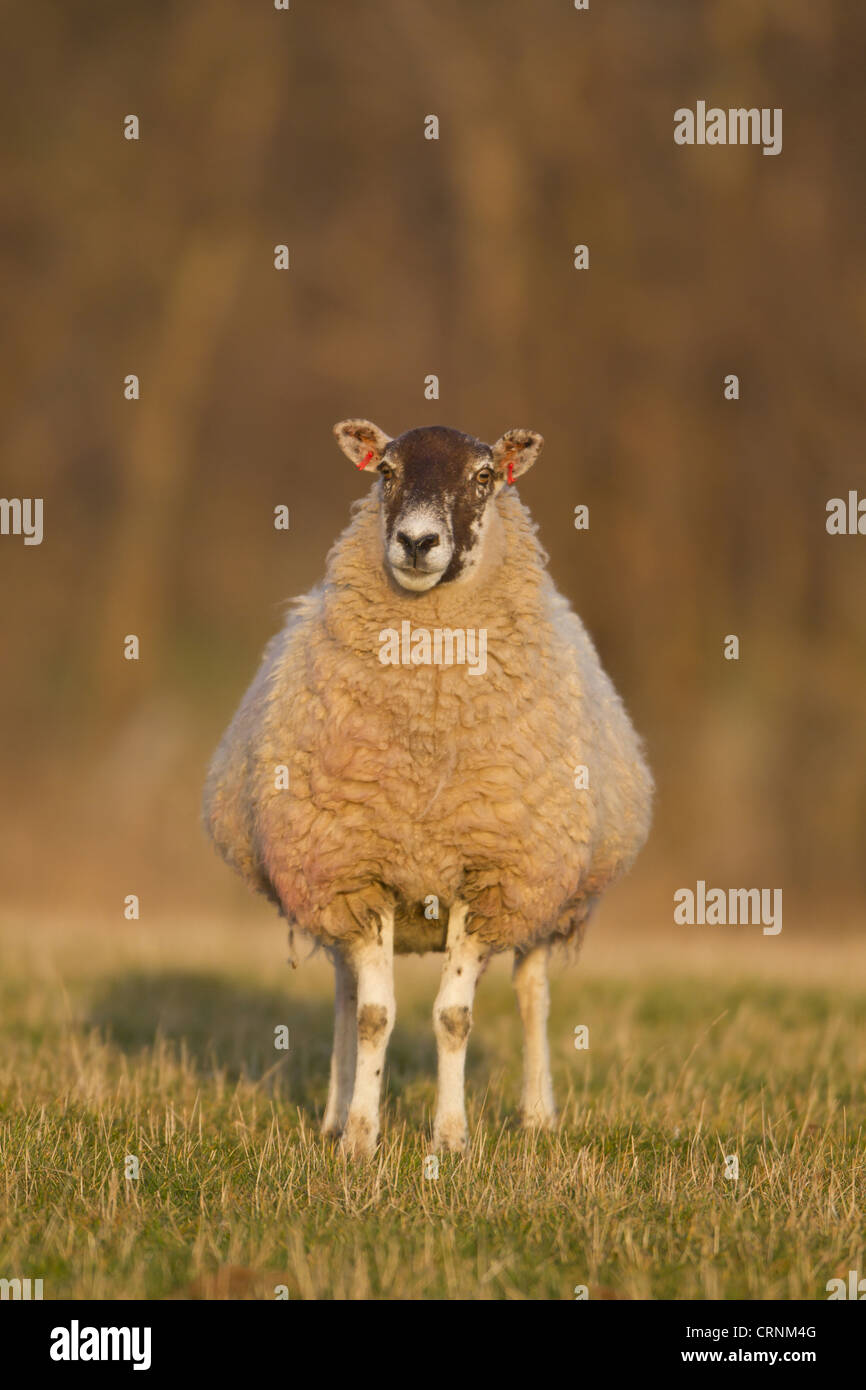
(411, 257)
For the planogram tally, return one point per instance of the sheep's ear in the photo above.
(515, 453)
(362, 442)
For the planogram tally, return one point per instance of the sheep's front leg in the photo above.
(465, 959)
(533, 1000)
(344, 1055)
(372, 963)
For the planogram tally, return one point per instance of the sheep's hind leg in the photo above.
(533, 1000)
(372, 963)
(465, 959)
(344, 1055)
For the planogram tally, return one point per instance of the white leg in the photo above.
(533, 999)
(345, 1050)
(465, 959)
(372, 963)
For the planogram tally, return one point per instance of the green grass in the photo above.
(158, 1042)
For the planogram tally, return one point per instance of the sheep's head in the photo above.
(437, 488)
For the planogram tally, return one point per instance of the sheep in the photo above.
(431, 805)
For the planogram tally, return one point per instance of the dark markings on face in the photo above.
(436, 468)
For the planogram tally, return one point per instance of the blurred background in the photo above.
(411, 257)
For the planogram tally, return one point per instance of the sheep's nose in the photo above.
(417, 545)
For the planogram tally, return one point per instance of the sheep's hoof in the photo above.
(450, 1134)
(331, 1128)
(539, 1119)
(359, 1137)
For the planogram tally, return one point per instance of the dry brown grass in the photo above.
(158, 1042)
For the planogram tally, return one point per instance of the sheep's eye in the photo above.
(484, 475)
(386, 471)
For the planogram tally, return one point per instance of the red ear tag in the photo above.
(511, 470)
(365, 460)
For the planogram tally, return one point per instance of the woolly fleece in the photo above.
(407, 781)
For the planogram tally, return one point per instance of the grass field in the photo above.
(157, 1042)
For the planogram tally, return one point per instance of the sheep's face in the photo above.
(437, 488)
